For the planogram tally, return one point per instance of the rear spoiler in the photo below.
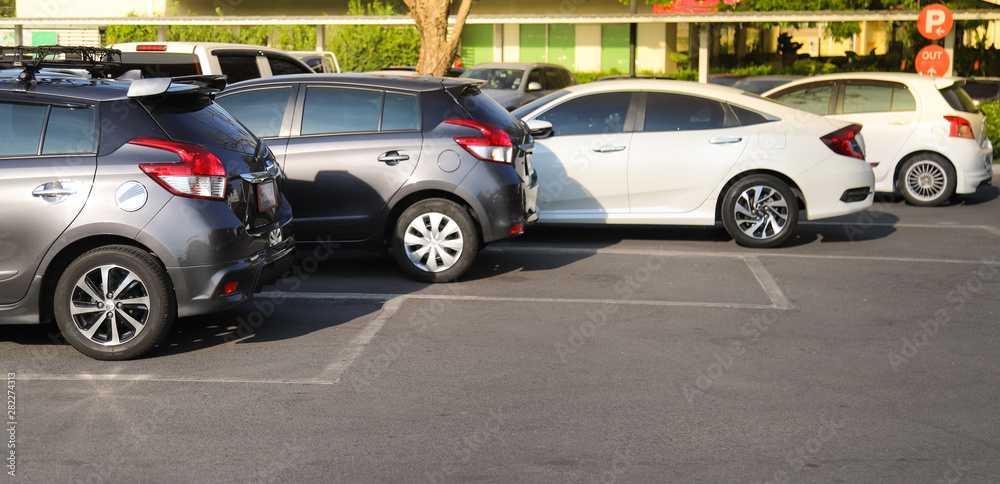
(154, 86)
(946, 82)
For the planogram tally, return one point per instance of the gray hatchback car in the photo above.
(429, 167)
(128, 204)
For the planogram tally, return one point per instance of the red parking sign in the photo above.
(933, 60)
(935, 21)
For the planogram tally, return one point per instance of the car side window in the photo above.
(869, 98)
(678, 112)
(400, 112)
(70, 130)
(553, 80)
(260, 110)
(23, 134)
(283, 67)
(536, 76)
(239, 67)
(812, 99)
(341, 110)
(748, 117)
(594, 114)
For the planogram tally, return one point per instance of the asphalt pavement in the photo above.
(865, 350)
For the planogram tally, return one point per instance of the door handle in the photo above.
(392, 157)
(609, 149)
(55, 191)
(723, 141)
(902, 122)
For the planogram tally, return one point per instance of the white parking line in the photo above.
(988, 228)
(694, 253)
(335, 370)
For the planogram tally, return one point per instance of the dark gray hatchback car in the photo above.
(128, 204)
(430, 167)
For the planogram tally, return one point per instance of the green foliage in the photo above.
(130, 33)
(752, 70)
(682, 60)
(372, 47)
(992, 111)
(810, 67)
(7, 8)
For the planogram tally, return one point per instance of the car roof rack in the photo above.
(92, 59)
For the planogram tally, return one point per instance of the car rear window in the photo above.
(158, 64)
(483, 108)
(195, 118)
(497, 78)
(958, 99)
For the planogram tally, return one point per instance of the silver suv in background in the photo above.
(129, 204)
(238, 62)
(515, 84)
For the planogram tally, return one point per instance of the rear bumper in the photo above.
(832, 188)
(508, 200)
(973, 167)
(199, 288)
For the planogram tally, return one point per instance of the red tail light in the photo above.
(493, 145)
(151, 48)
(199, 174)
(844, 141)
(960, 127)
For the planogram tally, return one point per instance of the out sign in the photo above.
(935, 21)
(933, 60)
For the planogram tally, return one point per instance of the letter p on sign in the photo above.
(935, 21)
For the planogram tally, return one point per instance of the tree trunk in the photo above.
(437, 48)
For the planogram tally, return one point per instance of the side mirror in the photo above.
(540, 129)
(534, 86)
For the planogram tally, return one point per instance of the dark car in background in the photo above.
(515, 84)
(762, 84)
(129, 204)
(429, 167)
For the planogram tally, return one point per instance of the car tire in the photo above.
(435, 240)
(760, 211)
(137, 286)
(927, 180)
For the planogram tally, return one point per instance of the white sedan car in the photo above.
(926, 137)
(682, 153)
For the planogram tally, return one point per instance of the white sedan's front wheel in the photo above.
(760, 211)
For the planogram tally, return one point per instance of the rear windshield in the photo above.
(484, 108)
(958, 99)
(197, 119)
(158, 64)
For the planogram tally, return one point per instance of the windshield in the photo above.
(506, 79)
(527, 108)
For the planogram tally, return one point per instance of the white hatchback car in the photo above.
(925, 135)
(682, 153)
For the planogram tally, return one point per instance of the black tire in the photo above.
(447, 232)
(927, 180)
(760, 211)
(142, 294)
